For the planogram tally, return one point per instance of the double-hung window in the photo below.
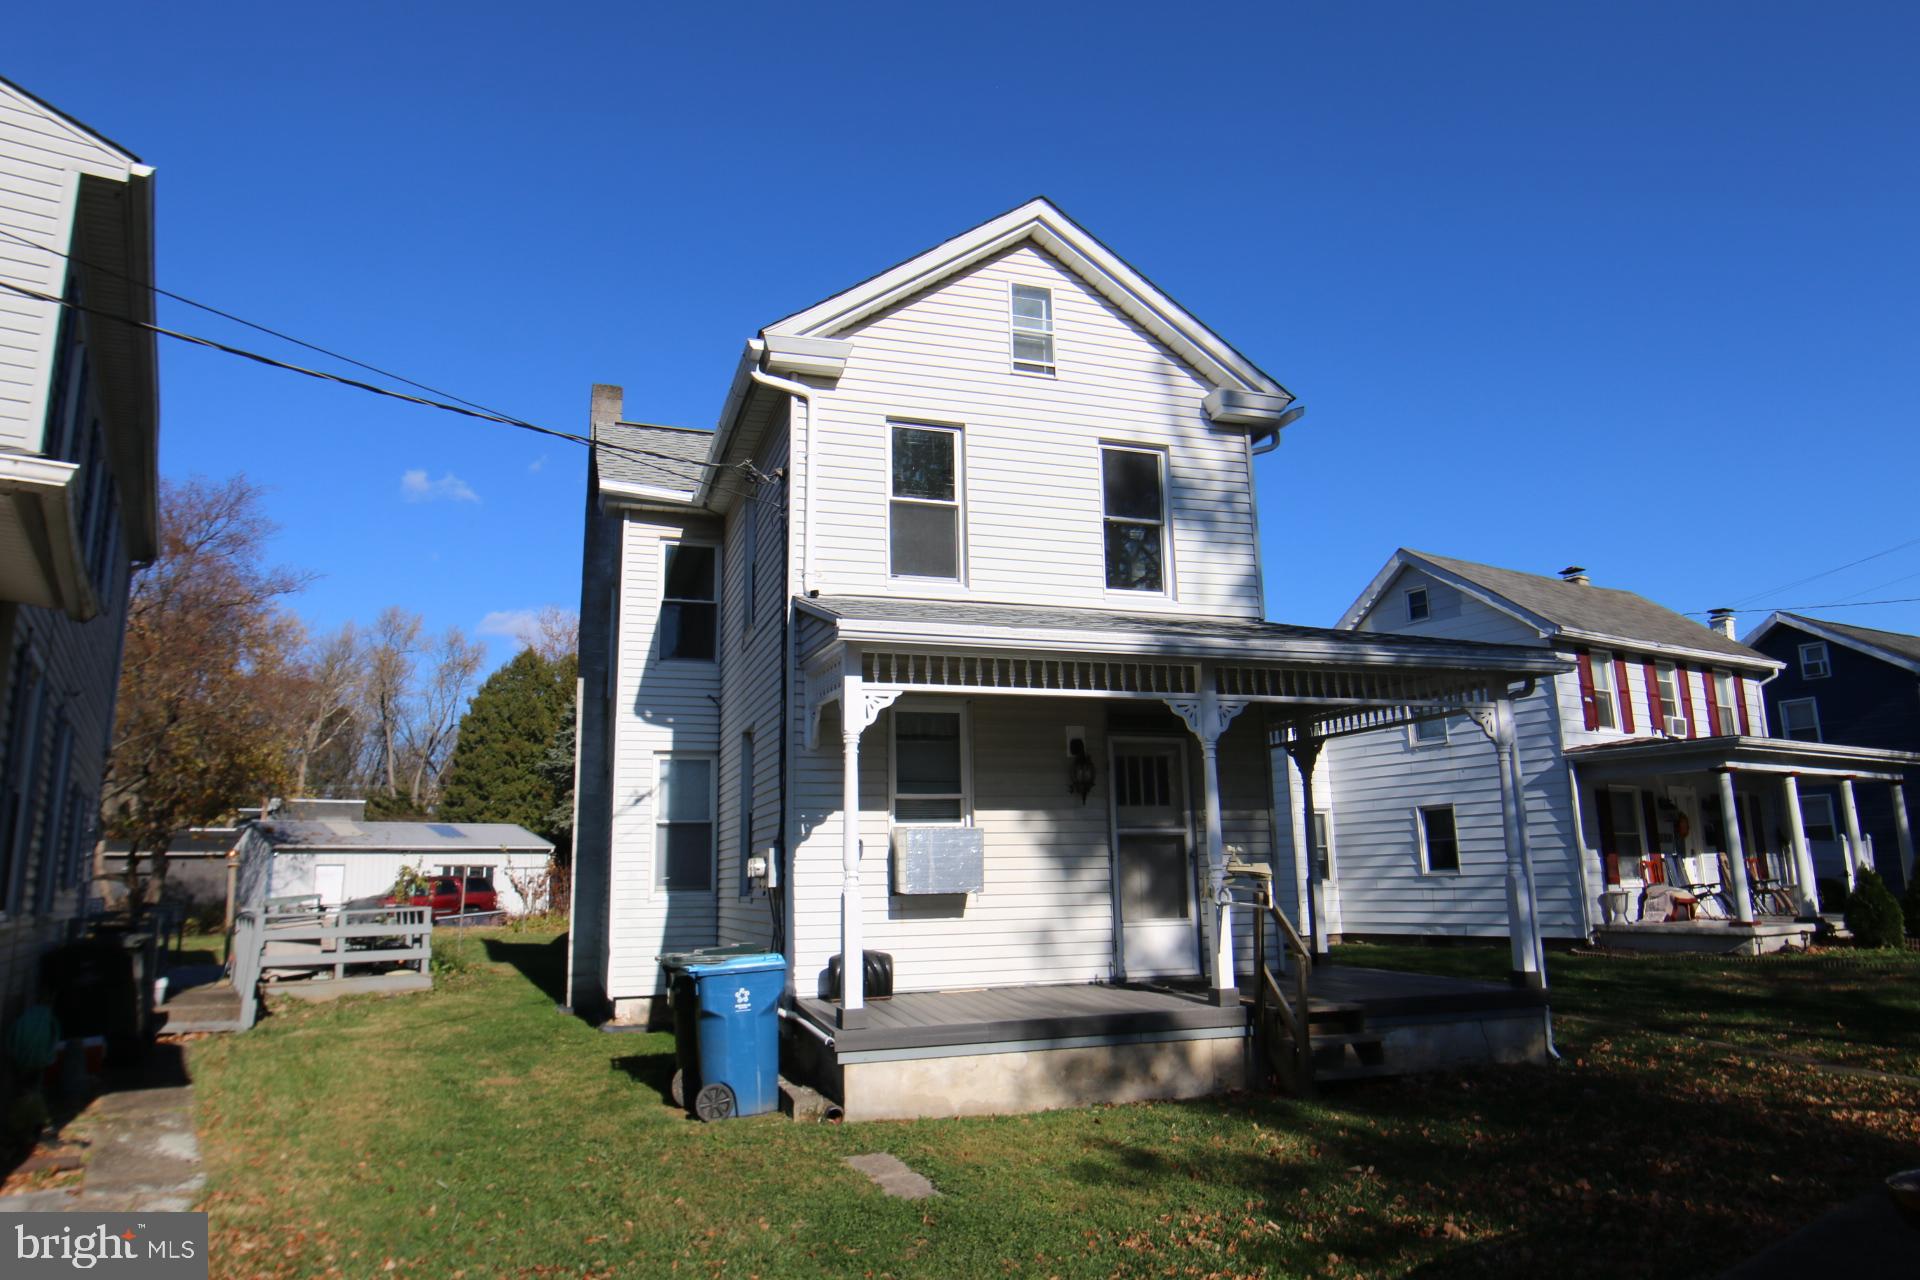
(1321, 840)
(1439, 842)
(683, 824)
(1418, 606)
(1814, 664)
(929, 767)
(1134, 489)
(1604, 714)
(1676, 710)
(1723, 702)
(1800, 719)
(689, 604)
(1817, 820)
(1032, 329)
(923, 517)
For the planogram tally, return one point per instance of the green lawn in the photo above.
(476, 1132)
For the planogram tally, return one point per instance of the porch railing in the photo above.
(1282, 1021)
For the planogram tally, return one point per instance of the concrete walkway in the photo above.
(142, 1156)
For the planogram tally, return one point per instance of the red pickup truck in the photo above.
(443, 895)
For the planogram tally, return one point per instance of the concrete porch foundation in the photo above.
(1713, 937)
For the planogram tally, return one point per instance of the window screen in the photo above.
(928, 781)
(683, 824)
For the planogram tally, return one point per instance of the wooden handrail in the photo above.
(1295, 1016)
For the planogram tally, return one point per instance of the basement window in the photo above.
(1032, 329)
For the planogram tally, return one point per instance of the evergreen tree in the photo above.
(498, 771)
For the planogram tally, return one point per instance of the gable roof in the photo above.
(666, 462)
(1040, 221)
(1889, 646)
(1554, 606)
(340, 834)
(70, 124)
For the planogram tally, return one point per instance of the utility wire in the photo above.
(746, 470)
(1827, 573)
(1796, 608)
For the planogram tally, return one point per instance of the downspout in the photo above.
(799, 391)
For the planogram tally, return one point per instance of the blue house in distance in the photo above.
(1852, 685)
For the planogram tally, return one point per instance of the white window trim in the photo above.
(662, 600)
(1825, 660)
(950, 706)
(1813, 708)
(1426, 603)
(1600, 663)
(1728, 711)
(749, 562)
(1667, 677)
(1420, 831)
(1332, 875)
(959, 504)
(657, 883)
(1032, 368)
(1419, 744)
(1160, 452)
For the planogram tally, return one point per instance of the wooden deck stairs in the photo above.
(1303, 1041)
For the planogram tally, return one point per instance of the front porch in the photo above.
(1704, 844)
(990, 1051)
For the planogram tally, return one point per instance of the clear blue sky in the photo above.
(1635, 287)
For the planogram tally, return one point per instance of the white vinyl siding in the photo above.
(1032, 466)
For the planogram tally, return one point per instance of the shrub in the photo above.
(1911, 903)
(1874, 917)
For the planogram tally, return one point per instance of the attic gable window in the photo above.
(1418, 609)
(1032, 329)
(1813, 661)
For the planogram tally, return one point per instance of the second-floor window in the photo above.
(923, 515)
(1032, 329)
(1676, 711)
(689, 603)
(1813, 661)
(1800, 718)
(1723, 703)
(1133, 482)
(1604, 715)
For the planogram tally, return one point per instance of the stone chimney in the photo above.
(608, 404)
(1575, 574)
(1721, 620)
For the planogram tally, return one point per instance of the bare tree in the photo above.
(326, 701)
(556, 633)
(435, 717)
(392, 655)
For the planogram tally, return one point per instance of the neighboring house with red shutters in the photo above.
(1649, 765)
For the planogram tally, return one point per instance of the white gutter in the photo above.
(799, 391)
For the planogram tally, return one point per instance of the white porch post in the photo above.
(1208, 717)
(1736, 849)
(853, 973)
(1902, 829)
(1522, 911)
(1802, 856)
(1856, 848)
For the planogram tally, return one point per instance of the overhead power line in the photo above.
(1827, 573)
(1804, 608)
(465, 408)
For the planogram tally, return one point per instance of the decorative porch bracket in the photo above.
(1208, 717)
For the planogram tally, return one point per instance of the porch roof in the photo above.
(1313, 681)
(1633, 756)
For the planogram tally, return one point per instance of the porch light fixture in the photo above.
(1080, 772)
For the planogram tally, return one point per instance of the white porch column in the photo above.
(859, 708)
(1736, 849)
(1809, 890)
(1305, 754)
(1523, 924)
(1902, 830)
(1208, 717)
(1856, 847)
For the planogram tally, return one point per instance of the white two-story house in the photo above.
(946, 647)
(1659, 810)
(79, 407)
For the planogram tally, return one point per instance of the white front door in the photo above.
(1153, 861)
(330, 882)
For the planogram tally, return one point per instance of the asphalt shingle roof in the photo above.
(640, 460)
(339, 833)
(1895, 642)
(1604, 611)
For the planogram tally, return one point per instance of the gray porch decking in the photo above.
(1005, 1015)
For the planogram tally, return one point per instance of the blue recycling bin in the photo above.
(736, 1007)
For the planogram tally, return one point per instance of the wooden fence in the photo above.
(265, 941)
